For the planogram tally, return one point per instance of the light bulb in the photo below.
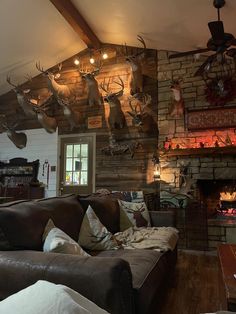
(104, 55)
(76, 61)
(91, 60)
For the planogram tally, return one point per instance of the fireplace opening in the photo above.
(219, 197)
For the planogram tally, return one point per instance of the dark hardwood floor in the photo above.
(195, 288)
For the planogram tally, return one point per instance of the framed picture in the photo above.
(211, 118)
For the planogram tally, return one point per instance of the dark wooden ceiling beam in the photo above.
(77, 22)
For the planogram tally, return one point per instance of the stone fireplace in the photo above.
(195, 165)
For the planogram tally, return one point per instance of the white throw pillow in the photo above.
(137, 214)
(58, 241)
(45, 297)
(94, 235)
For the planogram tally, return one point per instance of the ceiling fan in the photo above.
(220, 43)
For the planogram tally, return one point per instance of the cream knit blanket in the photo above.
(158, 238)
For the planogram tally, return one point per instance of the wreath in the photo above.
(220, 91)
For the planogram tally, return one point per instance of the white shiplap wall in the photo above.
(40, 145)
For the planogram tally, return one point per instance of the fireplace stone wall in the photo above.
(179, 173)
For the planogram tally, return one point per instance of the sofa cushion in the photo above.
(94, 235)
(4, 243)
(23, 222)
(106, 208)
(149, 269)
(57, 241)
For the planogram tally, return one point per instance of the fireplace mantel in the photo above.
(228, 150)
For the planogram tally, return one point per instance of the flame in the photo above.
(227, 196)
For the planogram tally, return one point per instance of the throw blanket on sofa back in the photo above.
(159, 238)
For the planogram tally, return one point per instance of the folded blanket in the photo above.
(158, 238)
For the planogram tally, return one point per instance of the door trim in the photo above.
(93, 135)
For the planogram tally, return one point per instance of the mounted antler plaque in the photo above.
(211, 118)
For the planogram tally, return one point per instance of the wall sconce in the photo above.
(156, 172)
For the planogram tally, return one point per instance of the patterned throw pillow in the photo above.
(133, 214)
(94, 235)
(57, 241)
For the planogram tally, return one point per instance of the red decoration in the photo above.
(220, 91)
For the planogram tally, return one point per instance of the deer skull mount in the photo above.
(22, 98)
(19, 139)
(114, 148)
(116, 117)
(75, 119)
(143, 116)
(94, 96)
(58, 90)
(177, 106)
(134, 60)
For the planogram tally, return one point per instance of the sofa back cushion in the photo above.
(106, 208)
(23, 222)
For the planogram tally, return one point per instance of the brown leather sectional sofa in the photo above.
(120, 281)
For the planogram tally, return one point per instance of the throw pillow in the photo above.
(94, 235)
(133, 214)
(48, 298)
(57, 241)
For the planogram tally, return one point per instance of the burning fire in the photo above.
(228, 196)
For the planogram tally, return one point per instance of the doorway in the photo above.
(77, 164)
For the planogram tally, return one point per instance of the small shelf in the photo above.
(228, 150)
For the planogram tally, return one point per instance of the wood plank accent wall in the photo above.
(120, 172)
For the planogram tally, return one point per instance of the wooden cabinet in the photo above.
(18, 179)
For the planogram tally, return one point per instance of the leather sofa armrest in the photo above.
(163, 218)
(105, 281)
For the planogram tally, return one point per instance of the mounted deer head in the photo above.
(134, 60)
(177, 106)
(137, 215)
(94, 96)
(75, 119)
(116, 117)
(48, 123)
(143, 115)
(58, 90)
(23, 100)
(19, 139)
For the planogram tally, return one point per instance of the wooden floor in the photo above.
(196, 285)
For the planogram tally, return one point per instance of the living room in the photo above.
(122, 99)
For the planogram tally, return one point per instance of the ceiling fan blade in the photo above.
(201, 69)
(186, 53)
(217, 31)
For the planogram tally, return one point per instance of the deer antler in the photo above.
(105, 86)
(8, 79)
(120, 83)
(39, 68)
(140, 38)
